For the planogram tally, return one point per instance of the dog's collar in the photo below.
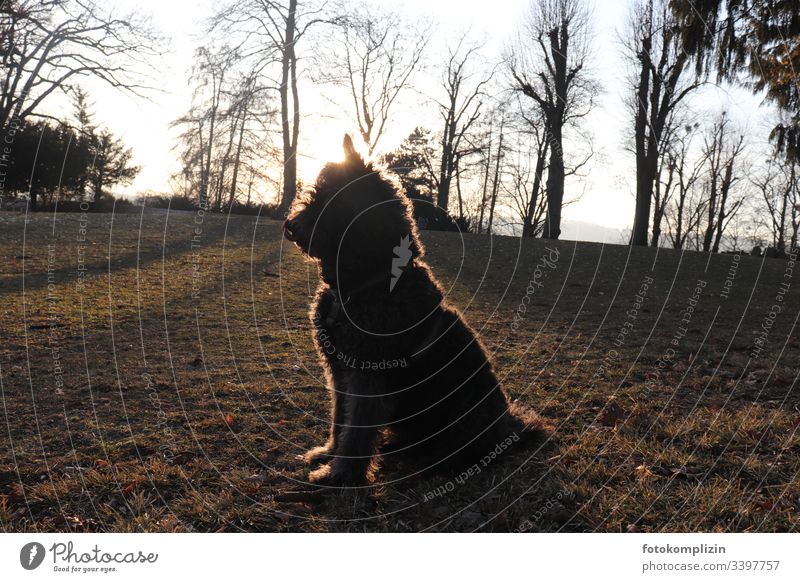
(337, 295)
(337, 317)
(333, 286)
(337, 307)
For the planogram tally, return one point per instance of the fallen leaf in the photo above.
(611, 414)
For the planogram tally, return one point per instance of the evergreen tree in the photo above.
(757, 37)
(112, 163)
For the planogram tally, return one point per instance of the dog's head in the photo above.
(352, 220)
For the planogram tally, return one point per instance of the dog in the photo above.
(396, 357)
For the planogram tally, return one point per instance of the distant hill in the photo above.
(586, 231)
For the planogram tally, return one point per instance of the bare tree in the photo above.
(524, 187)
(776, 181)
(722, 150)
(660, 63)
(470, 168)
(209, 75)
(268, 33)
(373, 54)
(548, 64)
(683, 213)
(487, 144)
(529, 167)
(45, 47)
(464, 85)
(795, 213)
(499, 156)
(665, 181)
(245, 103)
(228, 124)
(494, 147)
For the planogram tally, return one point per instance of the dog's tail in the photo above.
(530, 427)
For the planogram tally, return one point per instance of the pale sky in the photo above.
(607, 192)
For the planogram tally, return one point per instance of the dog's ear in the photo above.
(351, 156)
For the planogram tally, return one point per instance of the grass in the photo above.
(151, 386)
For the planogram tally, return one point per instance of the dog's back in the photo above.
(448, 404)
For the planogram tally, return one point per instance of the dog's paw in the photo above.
(332, 476)
(319, 455)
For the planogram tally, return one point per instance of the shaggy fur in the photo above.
(395, 355)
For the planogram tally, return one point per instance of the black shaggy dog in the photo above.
(396, 356)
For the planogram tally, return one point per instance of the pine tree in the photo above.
(757, 37)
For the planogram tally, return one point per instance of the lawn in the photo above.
(157, 374)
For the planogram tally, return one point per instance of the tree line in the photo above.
(511, 131)
(46, 50)
(507, 146)
(66, 160)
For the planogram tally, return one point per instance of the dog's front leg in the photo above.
(338, 390)
(367, 409)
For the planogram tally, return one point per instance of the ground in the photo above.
(157, 374)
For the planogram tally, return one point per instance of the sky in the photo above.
(605, 193)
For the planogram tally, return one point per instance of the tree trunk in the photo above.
(646, 173)
(496, 180)
(679, 219)
(661, 203)
(555, 189)
(528, 228)
(487, 169)
(559, 47)
(780, 245)
(527, 224)
(290, 128)
(458, 193)
(446, 167)
(713, 195)
(658, 216)
(727, 181)
(644, 198)
(98, 183)
(644, 190)
(205, 178)
(712, 211)
(237, 160)
(225, 162)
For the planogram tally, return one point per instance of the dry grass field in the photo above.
(157, 374)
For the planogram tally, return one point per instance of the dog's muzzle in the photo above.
(291, 230)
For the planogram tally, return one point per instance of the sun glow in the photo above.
(325, 145)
